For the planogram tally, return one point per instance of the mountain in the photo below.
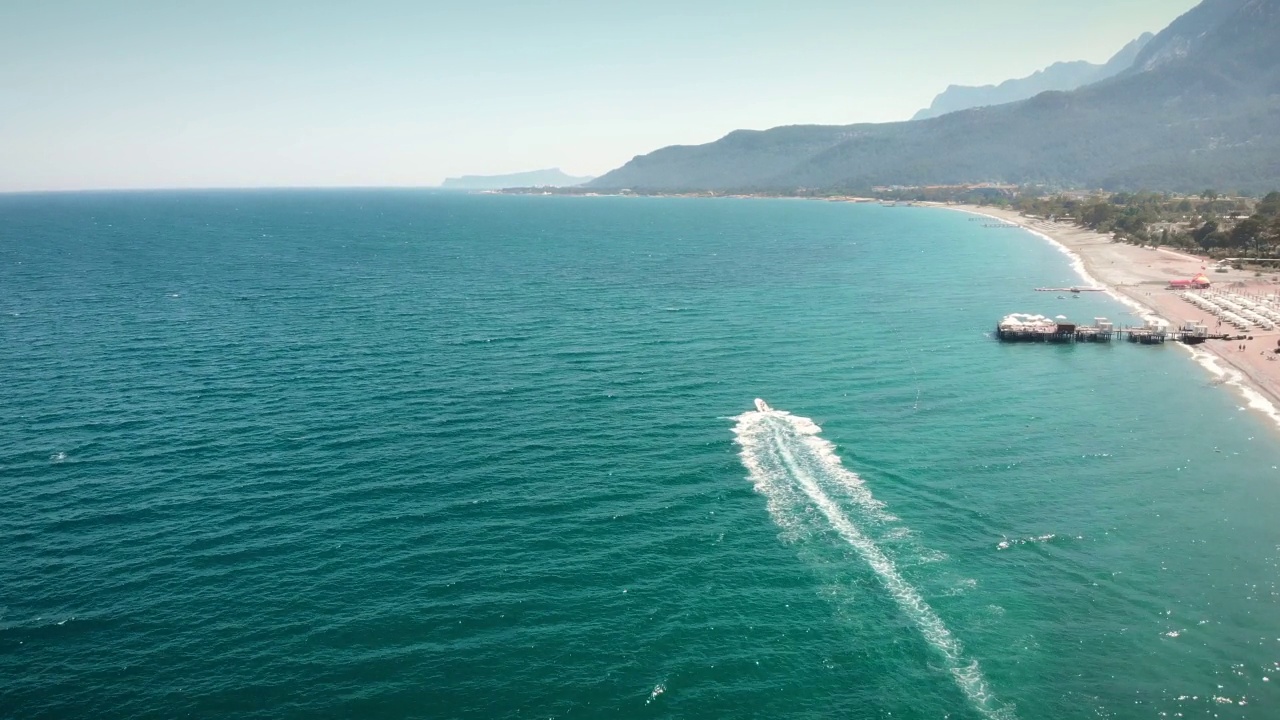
(1058, 76)
(1199, 108)
(1232, 35)
(552, 177)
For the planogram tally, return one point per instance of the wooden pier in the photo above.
(1038, 328)
(1146, 335)
(1020, 327)
(1072, 334)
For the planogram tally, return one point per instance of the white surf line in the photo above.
(782, 428)
(1233, 378)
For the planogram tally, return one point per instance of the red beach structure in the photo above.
(1199, 282)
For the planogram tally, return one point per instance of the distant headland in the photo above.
(553, 177)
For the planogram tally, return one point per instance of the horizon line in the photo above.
(224, 188)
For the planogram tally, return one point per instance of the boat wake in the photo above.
(799, 472)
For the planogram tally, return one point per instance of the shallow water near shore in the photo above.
(413, 454)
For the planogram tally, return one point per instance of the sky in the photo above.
(197, 93)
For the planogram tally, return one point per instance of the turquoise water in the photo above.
(404, 454)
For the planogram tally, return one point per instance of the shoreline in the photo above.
(1139, 280)
(1129, 275)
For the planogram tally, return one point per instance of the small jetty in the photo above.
(1024, 327)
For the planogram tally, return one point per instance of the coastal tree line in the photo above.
(1209, 222)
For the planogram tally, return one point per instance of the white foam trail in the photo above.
(795, 469)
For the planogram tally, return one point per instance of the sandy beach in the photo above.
(1140, 278)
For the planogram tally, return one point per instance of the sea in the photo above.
(414, 454)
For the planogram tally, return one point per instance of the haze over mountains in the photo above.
(1198, 108)
(1058, 76)
(552, 177)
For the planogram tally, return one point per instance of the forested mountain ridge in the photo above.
(1199, 108)
(1204, 30)
(1058, 76)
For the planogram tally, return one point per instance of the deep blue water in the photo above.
(413, 454)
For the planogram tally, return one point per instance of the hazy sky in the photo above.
(185, 93)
